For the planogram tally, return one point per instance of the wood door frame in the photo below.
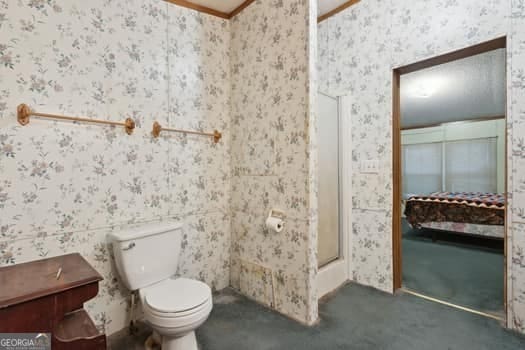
(497, 43)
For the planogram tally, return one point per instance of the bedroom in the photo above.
(452, 138)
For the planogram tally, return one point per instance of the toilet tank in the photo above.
(147, 254)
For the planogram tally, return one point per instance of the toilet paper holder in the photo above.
(275, 221)
(274, 213)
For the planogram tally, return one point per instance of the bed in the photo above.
(473, 213)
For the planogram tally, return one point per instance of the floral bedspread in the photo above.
(461, 207)
(493, 231)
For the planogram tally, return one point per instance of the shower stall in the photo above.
(333, 147)
(329, 180)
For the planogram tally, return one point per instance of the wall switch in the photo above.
(370, 166)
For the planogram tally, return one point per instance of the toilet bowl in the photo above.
(147, 258)
(174, 308)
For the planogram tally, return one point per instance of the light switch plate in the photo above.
(370, 166)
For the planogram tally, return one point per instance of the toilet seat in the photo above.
(177, 304)
(176, 297)
(175, 323)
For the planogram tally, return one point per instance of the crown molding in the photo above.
(240, 8)
(210, 11)
(337, 10)
(245, 4)
(199, 8)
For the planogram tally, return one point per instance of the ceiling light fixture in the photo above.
(426, 86)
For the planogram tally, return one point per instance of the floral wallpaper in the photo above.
(273, 76)
(65, 186)
(358, 48)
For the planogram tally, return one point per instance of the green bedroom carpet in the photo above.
(463, 271)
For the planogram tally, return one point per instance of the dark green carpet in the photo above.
(467, 272)
(356, 318)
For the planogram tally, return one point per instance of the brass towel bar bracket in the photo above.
(157, 128)
(24, 113)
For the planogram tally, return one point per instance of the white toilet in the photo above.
(146, 259)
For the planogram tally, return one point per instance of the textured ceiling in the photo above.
(228, 6)
(470, 88)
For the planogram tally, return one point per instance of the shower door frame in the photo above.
(337, 272)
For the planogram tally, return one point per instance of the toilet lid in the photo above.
(177, 295)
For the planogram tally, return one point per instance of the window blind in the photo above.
(453, 166)
(470, 166)
(422, 168)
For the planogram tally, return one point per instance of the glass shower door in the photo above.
(328, 239)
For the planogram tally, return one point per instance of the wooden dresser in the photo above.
(36, 297)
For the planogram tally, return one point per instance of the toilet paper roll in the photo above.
(274, 224)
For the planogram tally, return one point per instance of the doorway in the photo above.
(449, 179)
